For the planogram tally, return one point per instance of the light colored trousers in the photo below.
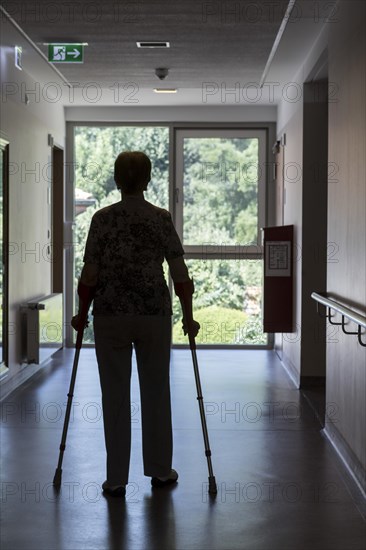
(151, 338)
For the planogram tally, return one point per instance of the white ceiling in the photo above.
(215, 46)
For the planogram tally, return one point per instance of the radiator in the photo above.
(42, 327)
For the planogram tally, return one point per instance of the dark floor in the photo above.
(280, 484)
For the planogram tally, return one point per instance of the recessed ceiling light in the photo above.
(150, 44)
(165, 90)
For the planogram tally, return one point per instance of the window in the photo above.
(216, 194)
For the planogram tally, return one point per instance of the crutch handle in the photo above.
(184, 290)
(192, 341)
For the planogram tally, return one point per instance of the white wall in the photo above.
(290, 127)
(293, 216)
(263, 113)
(26, 128)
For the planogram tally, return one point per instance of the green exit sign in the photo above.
(65, 53)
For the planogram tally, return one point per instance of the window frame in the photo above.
(255, 252)
(239, 250)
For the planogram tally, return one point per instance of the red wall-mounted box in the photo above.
(278, 279)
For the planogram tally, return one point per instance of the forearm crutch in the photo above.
(184, 291)
(86, 295)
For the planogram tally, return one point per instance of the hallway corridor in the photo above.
(280, 484)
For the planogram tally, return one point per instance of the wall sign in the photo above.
(278, 259)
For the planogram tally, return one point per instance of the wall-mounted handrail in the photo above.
(346, 313)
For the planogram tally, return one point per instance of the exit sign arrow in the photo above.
(65, 53)
(74, 53)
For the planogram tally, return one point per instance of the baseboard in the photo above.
(347, 456)
(291, 370)
(278, 351)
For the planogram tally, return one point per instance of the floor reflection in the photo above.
(118, 523)
(159, 518)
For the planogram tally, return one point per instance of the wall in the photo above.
(344, 41)
(243, 113)
(346, 359)
(26, 127)
(290, 132)
(293, 216)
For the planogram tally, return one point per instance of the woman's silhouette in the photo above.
(123, 273)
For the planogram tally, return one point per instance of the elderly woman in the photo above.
(125, 249)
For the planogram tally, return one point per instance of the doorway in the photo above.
(57, 220)
(314, 236)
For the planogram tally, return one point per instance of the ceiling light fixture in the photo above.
(150, 44)
(165, 90)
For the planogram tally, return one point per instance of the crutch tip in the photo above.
(212, 487)
(57, 478)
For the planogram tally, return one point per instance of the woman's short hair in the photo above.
(132, 171)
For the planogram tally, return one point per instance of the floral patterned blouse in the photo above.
(129, 241)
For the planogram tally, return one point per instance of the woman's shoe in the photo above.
(164, 481)
(114, 490)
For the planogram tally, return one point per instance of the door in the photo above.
(57, 215)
